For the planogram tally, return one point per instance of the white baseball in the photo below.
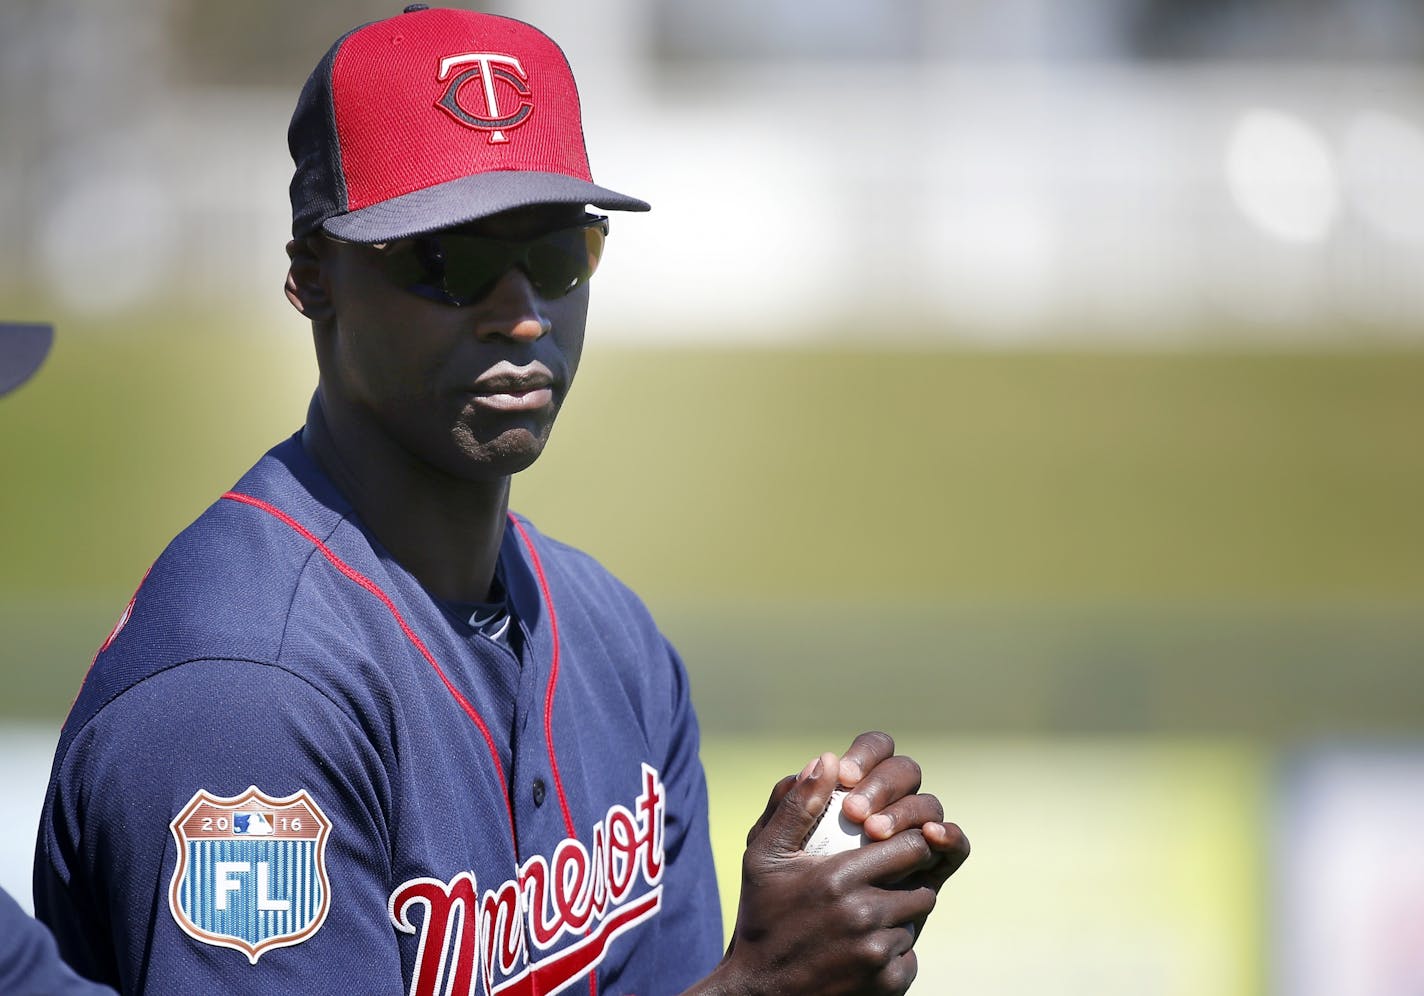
(833, 833)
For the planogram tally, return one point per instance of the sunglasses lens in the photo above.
(460, 269)
(559, 262)
(417, 265)
(469, 267)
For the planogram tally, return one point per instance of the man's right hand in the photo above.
(845, 924)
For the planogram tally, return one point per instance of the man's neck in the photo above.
(445, 531)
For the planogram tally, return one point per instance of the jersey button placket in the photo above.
(539, 792)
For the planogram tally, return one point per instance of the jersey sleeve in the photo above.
(242, 902)
(692, 945)
(29, 962)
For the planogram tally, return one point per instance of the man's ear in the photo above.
(305, 287)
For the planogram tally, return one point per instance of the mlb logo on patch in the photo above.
(251, 870)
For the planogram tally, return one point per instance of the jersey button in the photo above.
(538, 791)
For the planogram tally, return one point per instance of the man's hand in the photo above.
(843, 925)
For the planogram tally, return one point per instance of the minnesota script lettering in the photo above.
(579, 891)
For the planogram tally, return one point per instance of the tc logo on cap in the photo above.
(487, 67)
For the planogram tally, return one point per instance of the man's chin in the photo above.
(508, 453)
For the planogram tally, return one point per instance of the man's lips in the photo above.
(511, 389)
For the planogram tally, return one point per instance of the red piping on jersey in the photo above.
(410, 634)
(123, 621)
(549, 693)
(553, 672)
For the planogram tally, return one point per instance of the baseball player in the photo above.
(29, 962)
(362, 728)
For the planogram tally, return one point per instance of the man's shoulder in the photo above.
(578, 570)
(591, 603)
(229, 576)
(225, 587)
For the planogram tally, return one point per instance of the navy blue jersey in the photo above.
(29, 963)
(290, 765)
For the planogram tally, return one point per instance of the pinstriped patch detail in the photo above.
(251, 870)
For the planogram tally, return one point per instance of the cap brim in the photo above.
(22, 349)
(470, 198)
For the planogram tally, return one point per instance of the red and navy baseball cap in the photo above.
(435, 118)
(23, 348)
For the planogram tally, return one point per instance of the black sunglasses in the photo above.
(453, 268)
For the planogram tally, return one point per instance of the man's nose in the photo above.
(513, 310)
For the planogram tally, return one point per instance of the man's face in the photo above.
(473, 390)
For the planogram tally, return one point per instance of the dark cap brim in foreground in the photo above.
(468, 199)
(23, 347)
